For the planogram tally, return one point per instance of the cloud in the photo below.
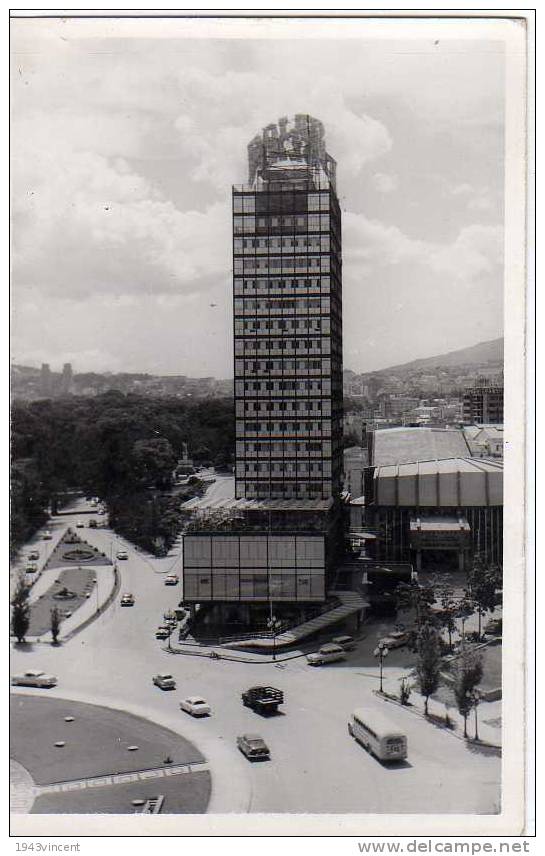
(86, 224)
(385, 183)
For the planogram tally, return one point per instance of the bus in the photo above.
(376, 733)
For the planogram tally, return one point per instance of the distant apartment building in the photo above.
(483, 404)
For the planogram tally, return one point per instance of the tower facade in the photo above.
(287, 298)
(278, 539)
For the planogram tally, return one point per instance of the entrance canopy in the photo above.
(433, 532)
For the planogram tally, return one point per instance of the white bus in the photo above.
(376, 733)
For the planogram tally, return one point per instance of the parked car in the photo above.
(92, 524)
(395, 639)
(253, 746)
(34, 678)
(163, 632)
(122, 554)
(127, 599)
(196, 706)
(170, 616)
(494, 627)
(329, 653)
(47, 536)
(347, 643)
(33, 556)
(164, 681)
(31, 568)
(80, 524)
(171, 580)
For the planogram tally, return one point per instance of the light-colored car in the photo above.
(171, 580)
(80, 524)
(122, 554)
(395, 639)
(127, 599)
(164, 681)
(196, 706)
(254, 747)
(347, 643)
(47, 536)
(163, 632)
(329, 653)
(34, 678)
(31, 568)
(33, 556)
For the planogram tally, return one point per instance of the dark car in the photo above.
(254, 747)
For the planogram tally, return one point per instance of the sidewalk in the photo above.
(488, 713)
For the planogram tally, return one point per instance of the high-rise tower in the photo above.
(278, 540)
(287, 317)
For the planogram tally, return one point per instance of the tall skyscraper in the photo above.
(288, 317)
(278, 539)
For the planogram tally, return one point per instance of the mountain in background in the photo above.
(479, 355)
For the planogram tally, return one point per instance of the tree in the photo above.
(412, 596)
(483, 580)
(428, 661)
(20, 610)
(467, 672)
(55, 624)
(154, 461)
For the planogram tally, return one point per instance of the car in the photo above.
(33, 556)
(196, 706)
(494, 627)
(254, 747)
(127, 599)
(31, 568)
(347, 643)
(164, 681)
(122, 554)
(171, 580)
(92, 524)
(170, 616)
(163, 632)
(395, 639)
(80, 524)
(329, 653)
(34, 678)
(47, 536)
(93, 502)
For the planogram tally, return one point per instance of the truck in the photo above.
(263, 699)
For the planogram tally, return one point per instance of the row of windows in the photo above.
(250, 224)
(284, 386)
(247, 587)
(251, 305)
(297, 201)
(258, 490)
(316, 428)
(303, 243)
(249, 407)
(317, 346)
(285, 264)
(287, 448)
(320, 469)
(266, 285)
(274, 325)
(298, 365)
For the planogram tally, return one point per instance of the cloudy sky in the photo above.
(124, 148)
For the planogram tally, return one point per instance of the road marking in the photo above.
(119, 778)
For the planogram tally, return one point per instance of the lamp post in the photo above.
(381, 651)
(273, 624)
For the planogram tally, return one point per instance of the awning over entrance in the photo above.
(433, 532)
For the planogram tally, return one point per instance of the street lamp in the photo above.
(381, 651)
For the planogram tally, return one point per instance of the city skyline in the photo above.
(124, 151)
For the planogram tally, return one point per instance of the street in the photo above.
(315, 766)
